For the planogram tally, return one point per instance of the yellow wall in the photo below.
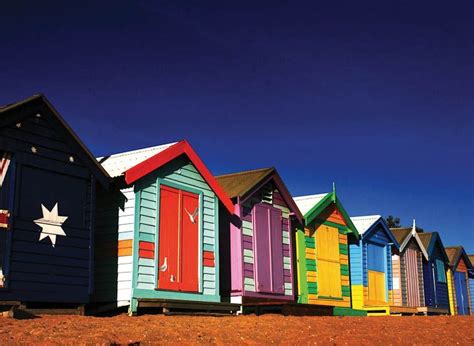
(452, 300)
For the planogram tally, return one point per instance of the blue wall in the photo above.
(429, 267)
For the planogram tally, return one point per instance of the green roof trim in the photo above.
(321, 206)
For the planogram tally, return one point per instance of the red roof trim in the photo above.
(182, 147)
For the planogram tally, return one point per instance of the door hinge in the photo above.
(4, 219)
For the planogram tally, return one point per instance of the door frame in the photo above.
(164, 182)
(385, 248)
(268, 208)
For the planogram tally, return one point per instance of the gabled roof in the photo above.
(117, 164)
(454, 254)
(405, 234)
(400, 233)
(28, 106)
(322, 201)
(239, 184)
(145, 161)
(306, 203)
(243, 184)
(429, 241)
(471, 271)
(366, 224)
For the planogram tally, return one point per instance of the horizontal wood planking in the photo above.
(146, 249)
(247, 240)
(208, 259)
(42, 273)
(179, 171)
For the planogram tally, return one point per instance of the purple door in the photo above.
(262, 249)
(276, 238)
(268, 249)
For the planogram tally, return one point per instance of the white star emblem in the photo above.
(51, 224)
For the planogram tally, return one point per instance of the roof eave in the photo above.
(182, 147)
(99, 172)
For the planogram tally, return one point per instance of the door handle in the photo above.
(165, 265)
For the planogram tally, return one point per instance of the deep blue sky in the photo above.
(377, 96)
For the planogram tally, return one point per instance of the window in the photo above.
(440, 271)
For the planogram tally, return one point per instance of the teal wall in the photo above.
(179, 173)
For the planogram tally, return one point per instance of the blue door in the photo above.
(461, 293)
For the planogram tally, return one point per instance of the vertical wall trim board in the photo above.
(138, 194)
(216, 246)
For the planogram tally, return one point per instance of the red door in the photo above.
(178, 237)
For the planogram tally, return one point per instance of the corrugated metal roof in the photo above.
(363, 223)
(119, 163)
(306, 203)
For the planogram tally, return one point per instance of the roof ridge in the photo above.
(246, 172)
(310, 196)
(136, 151)
(11, 105)
(366, 216)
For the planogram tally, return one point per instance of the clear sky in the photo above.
(377, 96)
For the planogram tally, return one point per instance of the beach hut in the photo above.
(371, 265)
(323, 253)
(459, 266)
(407, 268)
(48, 181)
(434, 275)
(158, 239)
(261, 257)
(471, 282)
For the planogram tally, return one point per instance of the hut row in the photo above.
(154, 228)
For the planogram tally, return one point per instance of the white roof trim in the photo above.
(119, 163)
(418, 240)
(364, 223)
(306, 203)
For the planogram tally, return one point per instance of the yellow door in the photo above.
(376, 287)
(328, 263)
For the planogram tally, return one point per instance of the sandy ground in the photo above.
(264, 329)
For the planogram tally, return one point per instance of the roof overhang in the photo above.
(381, 222)
(418, 241)
(285, 194)
(181, 148)
(30, 105)
(327, 200)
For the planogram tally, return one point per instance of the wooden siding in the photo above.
(436, 292)
(44, 174)
(451, 292)
(179, 173)
(357, 277)
(461, 266)
(471, 294)
(114, 247)
(359, 270)
(412, 281)
(307, 262)
(269, 195)
(397, 297)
